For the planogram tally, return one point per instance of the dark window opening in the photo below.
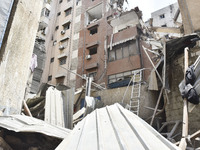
(60, 1)
(47, 12)
(164, 25)
(52, 59)
(57, 27)
(93, 31)
(68, 12)
(68, 0)
(66, 26)
(62, 61)
(162, 16)
(92, 74)
(60, 80)
(49, 78)
(120, 79)
(58, 14)
(93, 50)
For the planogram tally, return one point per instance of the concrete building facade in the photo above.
(165, 17)
(62, 32)
(15, 54)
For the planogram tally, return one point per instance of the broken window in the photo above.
(94, 14)
(93, 30)
(62, 61)
(49, 78)
(52, 59)
(123, 50)
(60, 1)
(93, 50)
(121, 78)
(68, 12)
(162, 16)
(66, 26)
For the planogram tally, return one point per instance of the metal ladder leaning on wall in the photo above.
(135, 92)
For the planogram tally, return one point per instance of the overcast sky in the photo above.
(148, 6)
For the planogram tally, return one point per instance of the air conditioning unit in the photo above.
(61, 47)
(63, 32)
(88, 57)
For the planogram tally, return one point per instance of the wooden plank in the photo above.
(183, 143)
(158, 102)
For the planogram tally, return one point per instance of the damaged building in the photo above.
(93, 76)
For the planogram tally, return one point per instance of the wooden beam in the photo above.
(183, 143)
(26, 109)
(155, 110)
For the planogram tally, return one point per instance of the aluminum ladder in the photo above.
(135, 92)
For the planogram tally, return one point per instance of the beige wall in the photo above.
(190, 16)
(54, 68)
(16, 57)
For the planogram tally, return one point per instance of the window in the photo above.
(164, 25)
(62, 61)
(93, 50)
(68, 12)
(162, 16)
(123, 50)
(93, 30)
(119, 77)
(92, 74)
(68, 0)
(49, 78)
(60, 1)
(52, 59)
(58, 14)
(77, 2)
(66, 26)
(47, 12)
(57, 27)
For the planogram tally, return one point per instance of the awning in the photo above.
(122, 41)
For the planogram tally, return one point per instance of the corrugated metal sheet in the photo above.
(19, 123)
(5, 9)
(59, 107)
(114, 128)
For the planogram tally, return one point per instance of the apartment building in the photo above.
(109, 46)
(165, 17)
(62, 32)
